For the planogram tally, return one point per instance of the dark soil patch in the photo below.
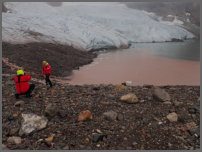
(63, 59)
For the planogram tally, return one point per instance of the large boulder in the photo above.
(129, 98)
(32, 122)
(161, 94)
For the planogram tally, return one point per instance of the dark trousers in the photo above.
(48, 80)
(28, 93)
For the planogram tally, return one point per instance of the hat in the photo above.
(20, 72)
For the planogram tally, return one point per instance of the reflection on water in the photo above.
(144, 63)
(188, 50)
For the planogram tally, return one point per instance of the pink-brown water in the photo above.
(137, 68)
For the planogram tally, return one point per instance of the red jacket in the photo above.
(46, 69)
(22, 86)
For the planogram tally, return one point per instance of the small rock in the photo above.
(167, 103)
(177, 103)
(195, 132)
(129, 148)
(87, 140)
(73, 143)
(193, 116)
(191, 125)
(50, 139)
(39, 141)
(134, 143)
(111, 96)
(51, 110)
(122, 131)
(62, 114)
(124, 84)
(15, 115)
(119, 87)
(142, 101)
(142, 147)
(160, 123)
(37, 96)
(85, 115)
(32, 122)
(13, 131)
(145, 89)
(98, 131)
(14, 140)
(4, 147)
(172, 110)
(170, 145)
(53, 92)
(148, 86)
(98, 137)
(4, 99)
(61, 145)
(129, 98)
(120, 148)
(120, 117)
(161, 94)
(19, 103)
(125, 138)
(110, 115)
(192, 110)
(172, 117)
(105, 103)
(66, 147)
(81, 146)
(96, 88)
(10, 118)
(98, 145)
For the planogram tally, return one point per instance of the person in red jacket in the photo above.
(47, 72)
(22, 85)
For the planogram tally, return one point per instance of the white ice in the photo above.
(84, 25)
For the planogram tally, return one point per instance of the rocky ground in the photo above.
(150, 118)
(102, 117)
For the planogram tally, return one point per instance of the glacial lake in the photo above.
(170, 63)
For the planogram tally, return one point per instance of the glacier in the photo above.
(86, 26)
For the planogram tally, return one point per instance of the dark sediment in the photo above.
(63, 59)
